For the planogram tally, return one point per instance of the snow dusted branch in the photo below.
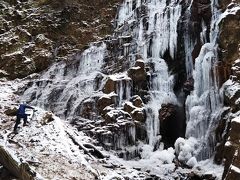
(88, 148)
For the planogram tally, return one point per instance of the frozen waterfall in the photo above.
(204, 105)
(65, 86)
(155, 35)
(145, 30)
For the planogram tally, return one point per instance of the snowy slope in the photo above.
(49, 148)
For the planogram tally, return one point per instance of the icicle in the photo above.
(203, 106)
(161, 91)
(153, 41)
(162, 24)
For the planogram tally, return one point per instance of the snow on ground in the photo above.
(49, 149)
(46, 147)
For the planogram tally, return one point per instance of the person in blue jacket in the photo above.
(21, 114)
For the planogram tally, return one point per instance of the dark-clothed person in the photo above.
(21, 114)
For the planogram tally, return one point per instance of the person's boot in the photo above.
(15, 131)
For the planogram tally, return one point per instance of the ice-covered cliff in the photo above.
(154, 87)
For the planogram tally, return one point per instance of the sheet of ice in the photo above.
(161, 91)
(204, 105)
(60, 84)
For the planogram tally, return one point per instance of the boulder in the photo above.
(139, 78)
(116, 84)
(47, 118)
(87, 109)
(137, 101)
(114, 115)
(119, 84)
(110, 86)
(128, 107)
(139, 115)
(115, 136)
(138, 73)
(106, 100)
(11, 111)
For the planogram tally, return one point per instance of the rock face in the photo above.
(139, 76)
(229, 42)
(228, 129)
(171, 124)
(160, 53)
(231, 152)
(34, 34)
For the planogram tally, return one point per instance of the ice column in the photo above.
(161, 91)
(203, 106)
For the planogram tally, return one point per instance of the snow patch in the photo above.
(186, 150)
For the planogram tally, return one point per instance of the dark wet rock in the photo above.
(236, 71)
(221, 136)
(87, 109)
(195, 176)
(114, 114)
(234, 169)
(228, 68)
(229, 42)
(141, 131)
(11, 111)
(232, 150)
(116, 85)
(137, 101)
(223, 4)
(201, 10)
(114, 136)
(139, 115)
(110, 86)
(188, 86)
(128, 107)
(231, 96)
(138, 75)
(171, 124)
(105, 101)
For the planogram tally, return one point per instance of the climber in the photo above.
(22, 115)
